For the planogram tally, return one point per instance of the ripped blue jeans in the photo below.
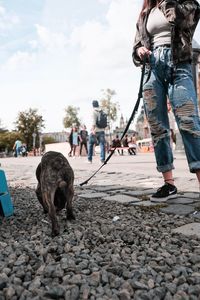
(159, 83)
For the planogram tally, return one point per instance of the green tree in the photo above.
(71, 116)
(29, 122)
(7, 140)
(110, 107)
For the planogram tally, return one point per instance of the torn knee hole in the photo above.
(150, 99)
(158, 132)
(185, 110)
(188, 125)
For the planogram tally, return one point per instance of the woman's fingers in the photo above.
(142, 51)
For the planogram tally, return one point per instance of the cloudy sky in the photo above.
(55, 53)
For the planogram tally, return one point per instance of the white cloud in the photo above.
(53, 43)
(108, 45)
(2, 11)
(49, 40)
(20, 60)
(33, 44)
(104, 1)
(7, 20)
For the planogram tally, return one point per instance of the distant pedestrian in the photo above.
(116, 143)
(97, 133)
(132, 144)
(24, 151)
(125, 143)
(17, 148)
(83, 136)
(75, 140)
(70, 142)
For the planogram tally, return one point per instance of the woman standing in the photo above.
(164, 35)
(75, 140)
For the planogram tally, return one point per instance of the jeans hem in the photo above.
(165, 168)
(194, 166)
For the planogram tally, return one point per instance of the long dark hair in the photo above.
(147, 4)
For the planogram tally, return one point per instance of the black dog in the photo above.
(55, 189)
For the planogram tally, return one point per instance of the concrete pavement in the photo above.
(132, 171)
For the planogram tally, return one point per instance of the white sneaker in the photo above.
(89, 161)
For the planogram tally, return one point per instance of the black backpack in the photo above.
(101, 121)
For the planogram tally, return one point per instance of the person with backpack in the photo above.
(97, 136)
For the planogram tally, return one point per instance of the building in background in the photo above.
(120, 129)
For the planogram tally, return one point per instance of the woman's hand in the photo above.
(142, 51)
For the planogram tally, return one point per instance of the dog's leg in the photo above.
(70, 195)
(49, 201)
(38, 189)
(39, 196)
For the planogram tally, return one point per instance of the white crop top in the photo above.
(158, 28)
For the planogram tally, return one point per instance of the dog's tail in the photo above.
(62, 184)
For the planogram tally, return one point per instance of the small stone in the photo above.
(139, 285)
(3, 281)
(124, 295)
(55, 292)
(151, 283)
(94, 279)
(10, 292)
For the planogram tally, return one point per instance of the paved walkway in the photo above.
(133, 171)
(125, 179)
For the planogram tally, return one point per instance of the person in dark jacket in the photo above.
(83, 136)
(71, 142)
(116, 143)
(125, 143)
(165, 29)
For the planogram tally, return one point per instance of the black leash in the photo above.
(128, 124)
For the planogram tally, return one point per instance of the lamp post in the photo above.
(109, 128)
(34, 136)
(40, 141)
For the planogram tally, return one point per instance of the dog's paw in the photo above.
(55, 231)
(70, 216)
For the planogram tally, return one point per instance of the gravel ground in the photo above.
(135, 257)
